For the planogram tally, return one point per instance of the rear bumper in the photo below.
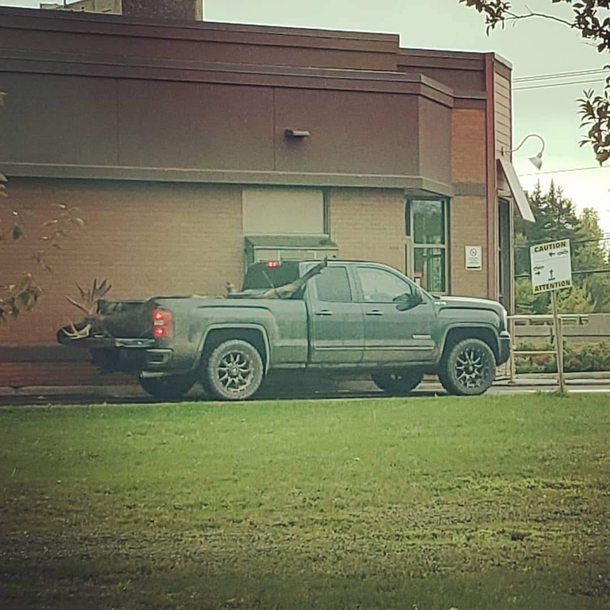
(124, 355)
(105, 342)
(503, 347)
(133, 359)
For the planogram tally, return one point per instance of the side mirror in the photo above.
(408, 300)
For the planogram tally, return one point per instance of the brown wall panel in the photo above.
(213, 42)
(194, 125)
(460, 80)
(222, 52)
(134, 123)
(459, 70)
(351, 132)
(58, 119)
(146, 239)
(435, 141)
(502, 113)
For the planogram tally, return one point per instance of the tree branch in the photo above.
(515, 17)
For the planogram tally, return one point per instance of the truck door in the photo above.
(336, 327)
(393, 334)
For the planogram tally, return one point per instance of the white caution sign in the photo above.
(551, 266)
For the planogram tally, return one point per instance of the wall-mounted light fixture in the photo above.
(296, 133)
(535, 161)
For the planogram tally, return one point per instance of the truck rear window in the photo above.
(260, 276)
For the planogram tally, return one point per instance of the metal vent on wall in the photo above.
(288, 248)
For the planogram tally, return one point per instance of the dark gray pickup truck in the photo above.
(352, 317)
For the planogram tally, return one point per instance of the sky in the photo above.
(535, 47)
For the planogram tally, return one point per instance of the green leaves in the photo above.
(17, 232)
(23, 295)
(496, 11)
(587, 19)
(17, 224)
(595, 114)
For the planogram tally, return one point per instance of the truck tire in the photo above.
(397, 383)
(168, 388)
(233, 371)
(468, 368)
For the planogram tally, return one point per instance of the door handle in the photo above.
(323, 312)
(374, 312)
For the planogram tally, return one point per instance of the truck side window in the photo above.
(380, 286)
(333, 285)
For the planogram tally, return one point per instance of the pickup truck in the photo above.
(353, 316)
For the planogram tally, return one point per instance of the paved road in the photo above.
(352, 390)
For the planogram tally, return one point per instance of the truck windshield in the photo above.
(261, 276)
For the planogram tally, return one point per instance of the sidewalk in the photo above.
(543, 379)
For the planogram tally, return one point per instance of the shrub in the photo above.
(576, 358)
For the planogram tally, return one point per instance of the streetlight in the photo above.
(535, 161)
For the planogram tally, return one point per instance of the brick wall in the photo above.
(146, 239)
(368, 224)
(469, 213)
(468, 162)
(468, 228)
(30, 374)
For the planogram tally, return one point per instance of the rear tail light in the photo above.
(162, 320)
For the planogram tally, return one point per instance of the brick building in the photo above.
(192, 148)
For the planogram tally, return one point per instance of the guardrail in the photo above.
(557, 337)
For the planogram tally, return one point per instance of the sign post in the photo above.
(552, 271)
(558, 342)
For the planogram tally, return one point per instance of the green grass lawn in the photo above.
(426, 503)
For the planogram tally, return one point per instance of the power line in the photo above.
(563, 171)
(551, 85)
(555, 75)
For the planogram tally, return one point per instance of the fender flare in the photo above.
(485, 326)
(231, 326)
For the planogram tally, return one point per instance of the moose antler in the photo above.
(74, 333)
(285, 292)
(87, 304)
(281, 292)
(89, 298)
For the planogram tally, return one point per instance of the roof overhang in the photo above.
(291, 242)
(413, 185)
(516, 189)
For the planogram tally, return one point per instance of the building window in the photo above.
(426, 242)
(284, 211)
(289, 224)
